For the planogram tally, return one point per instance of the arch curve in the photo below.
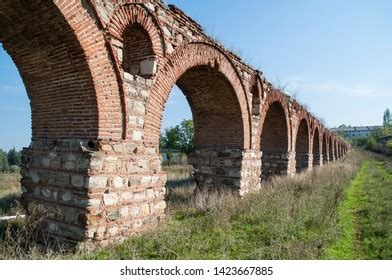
(134, 13)
(274, 96)
(302, 144)
(48, 53)
(192, 56)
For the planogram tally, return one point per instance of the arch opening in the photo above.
(55, 69)
(274, 142)
(325, 154)
(216, 157)
(316, 148)
(330, 151)
(138, 56)
(256, 100)
(302, 147)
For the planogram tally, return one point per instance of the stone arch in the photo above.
(302, 146)
(201, 60)
(316, 147)
(274, 138)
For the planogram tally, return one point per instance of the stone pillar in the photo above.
(310, 161)
(54, 186)
(93, 191)
(225, 170)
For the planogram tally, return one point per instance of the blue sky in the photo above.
(334, 56)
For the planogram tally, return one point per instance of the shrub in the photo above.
(389, 145)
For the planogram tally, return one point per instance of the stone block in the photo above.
(77, 180)
(148, 67)
(110, 199)
(118, 182)
(96, 182)
(135, 211)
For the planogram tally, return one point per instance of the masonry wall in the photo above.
(98, 75)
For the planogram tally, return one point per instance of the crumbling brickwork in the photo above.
(99, 73)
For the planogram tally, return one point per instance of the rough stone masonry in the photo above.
(98, 74)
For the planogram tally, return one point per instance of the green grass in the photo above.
(340, 211)
(365, 215)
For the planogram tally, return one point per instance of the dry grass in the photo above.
(290, 218)
(9, 192)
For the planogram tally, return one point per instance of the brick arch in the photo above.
(299, 115)
(316, 145)
(274, 137)
(48, 53)
(336, 149)
(199, 57)
(257, 92)
(133, 13)
(302, 143)
(330, 148)
(272, 97)
(324, 147)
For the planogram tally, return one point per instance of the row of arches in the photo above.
(98, 86)
(312, 144)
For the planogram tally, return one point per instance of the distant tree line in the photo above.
(10, 161)
(371, 142)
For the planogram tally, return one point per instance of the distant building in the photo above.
(352, 132)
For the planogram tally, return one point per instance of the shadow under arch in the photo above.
(219, 108)
(302, 146)
(324, 149)
(316, 147)
(274, 141)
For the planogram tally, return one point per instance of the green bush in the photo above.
(389, 145)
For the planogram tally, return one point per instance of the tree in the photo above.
(14, 157)
(387, 118)
(186, 136)
(4, 166)
(180, 137)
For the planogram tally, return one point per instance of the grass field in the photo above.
(291, 218)
(365, 216)
(340, 211)
(9, 191)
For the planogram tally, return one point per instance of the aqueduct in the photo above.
(98, 74)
